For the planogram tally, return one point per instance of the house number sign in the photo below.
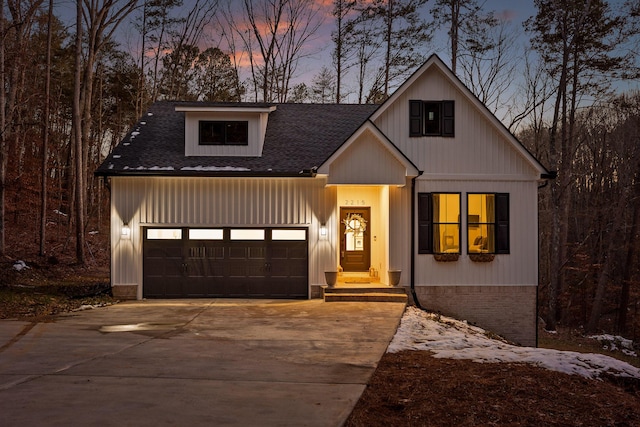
(351, 202)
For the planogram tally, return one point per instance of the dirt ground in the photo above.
(412, 388)
(43, 290)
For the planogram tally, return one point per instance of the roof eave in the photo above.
(307, 173)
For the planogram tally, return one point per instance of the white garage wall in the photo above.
(208, 202)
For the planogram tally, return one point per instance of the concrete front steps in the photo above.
(372, 292)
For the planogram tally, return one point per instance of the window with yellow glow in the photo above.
(481, 222)
(446, 223)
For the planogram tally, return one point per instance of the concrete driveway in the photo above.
(194, 362)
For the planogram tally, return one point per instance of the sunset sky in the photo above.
(320, 47)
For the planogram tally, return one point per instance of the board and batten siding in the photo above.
(367, 162)
(219, 202)
(518, 268)
(478, 148)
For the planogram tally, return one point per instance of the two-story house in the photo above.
(259, 200)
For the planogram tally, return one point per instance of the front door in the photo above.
(355, 248)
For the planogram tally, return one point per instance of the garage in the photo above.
(225, 262)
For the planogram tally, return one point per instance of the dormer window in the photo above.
(224, 129)
(223, 132)
(431, 118)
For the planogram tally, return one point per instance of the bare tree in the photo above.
(342, 9)
(77, 139)
(3, 128)
(155, 27)
(489, 63)
(102, 19)
(366, 41)
(467, 24)
(577, 41)
(275, 33)
(21, 18)
(45, 134)
(405, 36)
(182, 44)
(530, 101)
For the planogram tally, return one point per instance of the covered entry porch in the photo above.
(364, 172)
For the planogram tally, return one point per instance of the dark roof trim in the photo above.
(550, 175)
(209, 174)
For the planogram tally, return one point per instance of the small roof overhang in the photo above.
(239, 108)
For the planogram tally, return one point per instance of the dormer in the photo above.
(225, 129)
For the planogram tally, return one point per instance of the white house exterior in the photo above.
(259, 200)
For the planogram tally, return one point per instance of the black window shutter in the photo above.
(425, 228)
(448, 118)
(502, 223)
(415, 118)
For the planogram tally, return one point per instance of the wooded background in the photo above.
(565, 83)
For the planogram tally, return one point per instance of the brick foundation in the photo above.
(509, 311)
(125, 292)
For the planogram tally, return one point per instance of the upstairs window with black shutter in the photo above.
(431, 118)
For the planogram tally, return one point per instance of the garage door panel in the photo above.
(238, 252)
(279, 253)
(220, 267)
(216, 252)
(258, 253)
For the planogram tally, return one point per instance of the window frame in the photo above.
(418, 110)
(427, 225)
(225, 134)
(501, 220)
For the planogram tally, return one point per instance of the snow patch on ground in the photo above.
(215, 169)
(20, 265)
(614, 342)
(449, 338)
(84, 307)
(152, 168)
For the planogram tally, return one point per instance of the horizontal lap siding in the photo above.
(209, 202)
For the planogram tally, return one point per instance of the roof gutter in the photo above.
(549, 175)
(413, 241)
(306, 173)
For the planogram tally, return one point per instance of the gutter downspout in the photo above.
(413, 241)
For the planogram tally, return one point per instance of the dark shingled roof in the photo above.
(299, 137)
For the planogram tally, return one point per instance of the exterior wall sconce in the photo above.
(126, 231)
(323, 231)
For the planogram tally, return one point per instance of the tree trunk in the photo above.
(455, 25)
(77, 131)
(3, 131)
(45, 136)
(387, 58)
(609, 264)
(555, 264)
(626, 275)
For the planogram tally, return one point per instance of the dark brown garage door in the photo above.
(225, 262)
